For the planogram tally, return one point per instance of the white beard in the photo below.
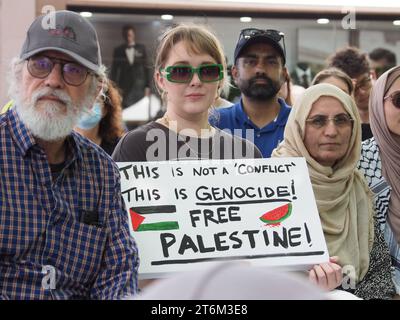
(48, 123)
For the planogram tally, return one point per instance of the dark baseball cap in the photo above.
(252, 35)
(67, 32)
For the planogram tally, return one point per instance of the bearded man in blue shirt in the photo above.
(259, 72)
(63, 225)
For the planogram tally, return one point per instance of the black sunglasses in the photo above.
(395, 96)
(271, 33)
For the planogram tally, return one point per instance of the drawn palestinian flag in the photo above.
(140, 214)
(274, 217)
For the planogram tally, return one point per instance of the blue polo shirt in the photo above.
(236, 121)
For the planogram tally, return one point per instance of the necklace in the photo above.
(182, 138)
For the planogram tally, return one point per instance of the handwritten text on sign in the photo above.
(184, 213)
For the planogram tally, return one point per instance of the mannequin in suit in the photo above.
(129, 68)
(302, 75)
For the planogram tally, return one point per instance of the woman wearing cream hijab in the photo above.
(380, 160)
(325, 129)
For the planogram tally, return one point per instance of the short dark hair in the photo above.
(351, 61)
(126, 28)
(381, 53)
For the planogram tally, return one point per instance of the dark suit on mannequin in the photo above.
(131, 78)
(302, 75)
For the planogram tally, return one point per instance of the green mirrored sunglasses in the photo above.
(184, 73)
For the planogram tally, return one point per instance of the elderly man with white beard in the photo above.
(63, 226)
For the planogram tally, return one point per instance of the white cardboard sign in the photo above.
(184, 214)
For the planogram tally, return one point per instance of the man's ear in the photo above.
(285, 72)
(284, 75)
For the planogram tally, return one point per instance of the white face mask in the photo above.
(91, 118)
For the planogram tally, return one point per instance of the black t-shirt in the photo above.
(155, 142)
(109, 146)
(366, 132)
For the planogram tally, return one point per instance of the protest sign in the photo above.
(186, 213)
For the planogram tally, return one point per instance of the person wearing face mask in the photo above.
(103, 123)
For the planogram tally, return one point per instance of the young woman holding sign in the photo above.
(190, 71)
(325, 129)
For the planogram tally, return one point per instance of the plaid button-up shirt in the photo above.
(77, 225)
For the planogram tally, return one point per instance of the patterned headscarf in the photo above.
(343, 198)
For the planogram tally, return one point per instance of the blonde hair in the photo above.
(198, 39)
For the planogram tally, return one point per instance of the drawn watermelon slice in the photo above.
(277, 215)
